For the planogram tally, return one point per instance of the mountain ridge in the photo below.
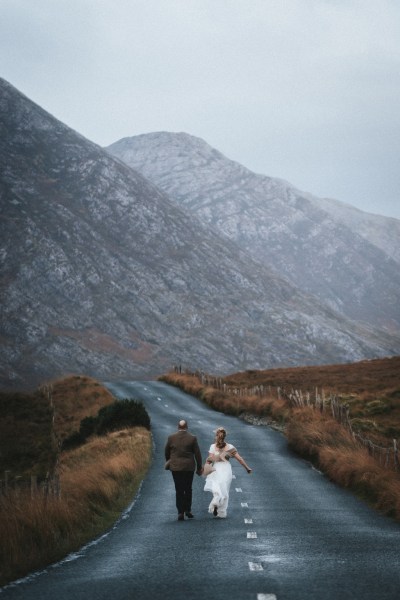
(101, 273)
(323, 247)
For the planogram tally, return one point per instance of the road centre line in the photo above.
(239, 489)
(255, 566)
(248, 521)
(266, 597)
(251, 535)
(244, 505)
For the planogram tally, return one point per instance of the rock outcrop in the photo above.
(347, 258)
(101, 273)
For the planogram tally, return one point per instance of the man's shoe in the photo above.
(189, 515)
(181, 517)
(215, 511)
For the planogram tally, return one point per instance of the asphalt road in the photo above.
(290, 533)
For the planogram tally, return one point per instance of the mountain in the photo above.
(347, 258)
(101, 273)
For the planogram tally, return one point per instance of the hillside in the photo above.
(103, 274)
(371, 388)
(28, 438)
(368, 377)
(77, 493)
(346, 258)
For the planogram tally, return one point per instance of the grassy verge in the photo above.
(318, 437)
(97, 480)
(273, 407)
(329, 445)
(99, 474)
(30, 422)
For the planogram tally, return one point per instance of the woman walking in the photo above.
(218, 482)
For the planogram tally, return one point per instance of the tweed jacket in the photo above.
(183, 452)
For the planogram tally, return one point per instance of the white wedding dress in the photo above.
(219, 481)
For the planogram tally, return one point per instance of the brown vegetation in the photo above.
(366, 378)
(97, 479)
(371, 390)
(76, 397)
(338, 454)
(27, 435)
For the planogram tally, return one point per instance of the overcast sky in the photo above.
(305, 90)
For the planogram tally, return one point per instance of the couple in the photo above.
(183, 457)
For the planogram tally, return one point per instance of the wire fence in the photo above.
(15, 485)
(387, 456)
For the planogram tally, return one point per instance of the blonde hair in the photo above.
(220, 436)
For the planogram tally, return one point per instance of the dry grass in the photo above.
(370, 388)
(232, 405)
(26, 442)
(76, 397)
(338, 455)
(97, 479)
(367, 379)
(25, 433)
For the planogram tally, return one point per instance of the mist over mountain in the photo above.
(347, 258)
(101, 273)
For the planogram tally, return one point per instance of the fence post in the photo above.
(33, 485)
(17, 488)
(395, 455)
(58, 486)
(6, 473)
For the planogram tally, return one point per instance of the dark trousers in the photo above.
(183, 486)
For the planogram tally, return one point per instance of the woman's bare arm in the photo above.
(242, 461)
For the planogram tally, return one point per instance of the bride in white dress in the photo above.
(219, 481)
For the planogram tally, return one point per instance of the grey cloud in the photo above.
(306, 90)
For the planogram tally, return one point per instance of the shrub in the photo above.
(88, 426)
(124, 413)
(120, 414)
(98, 480)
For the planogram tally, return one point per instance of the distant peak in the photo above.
(169, 138)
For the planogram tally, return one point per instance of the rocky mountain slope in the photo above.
(347, 258)
(100, 273)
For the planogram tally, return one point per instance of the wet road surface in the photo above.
(290, 533)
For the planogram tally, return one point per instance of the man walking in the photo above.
(184, 456)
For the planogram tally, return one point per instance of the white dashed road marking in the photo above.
(166, 405)
(239, 489)
(248, 521)
(251, 535)
(159, 399)
(233, 476)
(266, 597)
(255, 566)
(244, 505)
